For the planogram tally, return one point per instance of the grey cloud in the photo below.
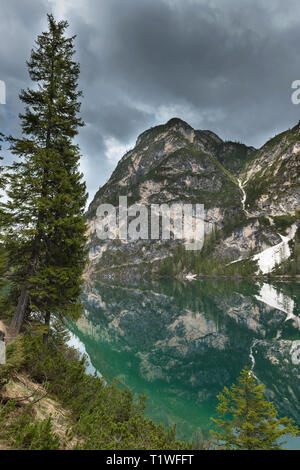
(225, 66)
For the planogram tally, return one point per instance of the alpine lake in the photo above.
(182, 342)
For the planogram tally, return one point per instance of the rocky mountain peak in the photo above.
(251, 197)
(162, 131)
(176, 122)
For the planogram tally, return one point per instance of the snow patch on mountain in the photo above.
(269, 258)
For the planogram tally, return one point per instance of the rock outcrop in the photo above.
(251, 198)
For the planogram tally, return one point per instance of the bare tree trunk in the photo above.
(19, 314)
(47, 325)
(23, 302)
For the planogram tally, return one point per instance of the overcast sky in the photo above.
(223, 65)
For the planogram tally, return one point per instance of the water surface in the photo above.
(182, 342)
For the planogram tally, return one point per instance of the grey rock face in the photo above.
(243, 191)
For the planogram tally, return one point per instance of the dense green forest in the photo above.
(206, 262)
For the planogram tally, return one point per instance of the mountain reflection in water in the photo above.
(182, 342)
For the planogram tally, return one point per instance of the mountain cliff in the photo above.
(251, 204)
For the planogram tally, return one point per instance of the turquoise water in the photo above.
(182, 342)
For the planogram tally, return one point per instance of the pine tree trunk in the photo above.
(23, 302)
(19, 314)
(47, 325)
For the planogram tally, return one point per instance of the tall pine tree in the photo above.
(46, 235)
(247, 421)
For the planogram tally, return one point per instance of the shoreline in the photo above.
(282, 278)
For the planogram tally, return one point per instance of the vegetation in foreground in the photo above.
(64, 408)
(97, 415)
(247, 421)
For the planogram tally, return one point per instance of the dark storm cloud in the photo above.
(221, 65)
(20, 22)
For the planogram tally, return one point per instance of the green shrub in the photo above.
(282, 222)
(104, 416)
(35, 436)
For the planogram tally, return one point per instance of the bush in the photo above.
(282, 222)
(104, 416)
